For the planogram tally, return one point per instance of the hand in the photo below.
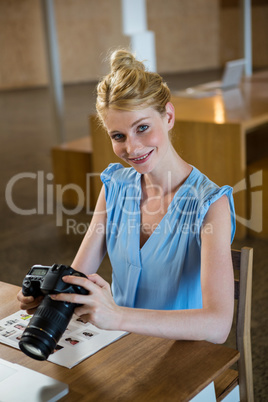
(98, 307)
(29, 303)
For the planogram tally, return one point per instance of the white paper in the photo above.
(78, 342)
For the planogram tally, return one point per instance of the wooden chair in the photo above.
(225, 383)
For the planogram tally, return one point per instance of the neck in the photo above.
(167, 178)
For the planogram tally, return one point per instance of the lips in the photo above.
(142, 158)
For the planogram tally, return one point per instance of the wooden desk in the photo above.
(210, 133)
(135, 368)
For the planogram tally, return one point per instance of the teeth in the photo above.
(143, 157)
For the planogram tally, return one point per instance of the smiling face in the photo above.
(140, 137)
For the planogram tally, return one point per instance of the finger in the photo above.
(83, 311)
(24, 299)
(79, 281)
(75, 280)
(71, 298)
(25, 306)
(29, 303)
(98, 280)
(31, 311)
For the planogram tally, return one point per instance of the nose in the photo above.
(132, 146)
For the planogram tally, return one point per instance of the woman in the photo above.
(167, 228)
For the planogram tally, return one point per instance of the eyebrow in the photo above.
(138, 121)
(132, 125)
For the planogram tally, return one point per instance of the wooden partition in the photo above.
(72, 167)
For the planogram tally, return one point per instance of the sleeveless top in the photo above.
(165, 273)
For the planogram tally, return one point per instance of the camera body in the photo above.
(51, 318)
(43, 280)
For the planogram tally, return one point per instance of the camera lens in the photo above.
(34, 351)
(46, 328)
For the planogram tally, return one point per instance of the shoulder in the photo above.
(219, 211)
(201, 186)
(206, 191)
(212, 202)
(117, 173)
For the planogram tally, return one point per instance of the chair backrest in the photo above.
(243, 263)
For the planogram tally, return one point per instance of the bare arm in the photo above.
(211, 323)
(89, 255)
(93, 246)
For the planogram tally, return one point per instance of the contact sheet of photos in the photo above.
(79, 341)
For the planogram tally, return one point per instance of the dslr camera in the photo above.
(51, 318)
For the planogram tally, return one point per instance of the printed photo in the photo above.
(11, 322)
(16, 337)
(57, 348)
(20, 326)
(71, 341)
(25, 316)
(88, 334)
(81, 321)
(7, 334)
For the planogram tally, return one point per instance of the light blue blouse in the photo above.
(165, 273)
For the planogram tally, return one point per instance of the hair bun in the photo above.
(130, 86)
(123, 59)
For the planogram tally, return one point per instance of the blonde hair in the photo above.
(130, 87)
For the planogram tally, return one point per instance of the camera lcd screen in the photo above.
(39, 271)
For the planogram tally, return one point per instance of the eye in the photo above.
(117, 137)
(142, 128)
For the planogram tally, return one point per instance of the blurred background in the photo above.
(193, 41)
